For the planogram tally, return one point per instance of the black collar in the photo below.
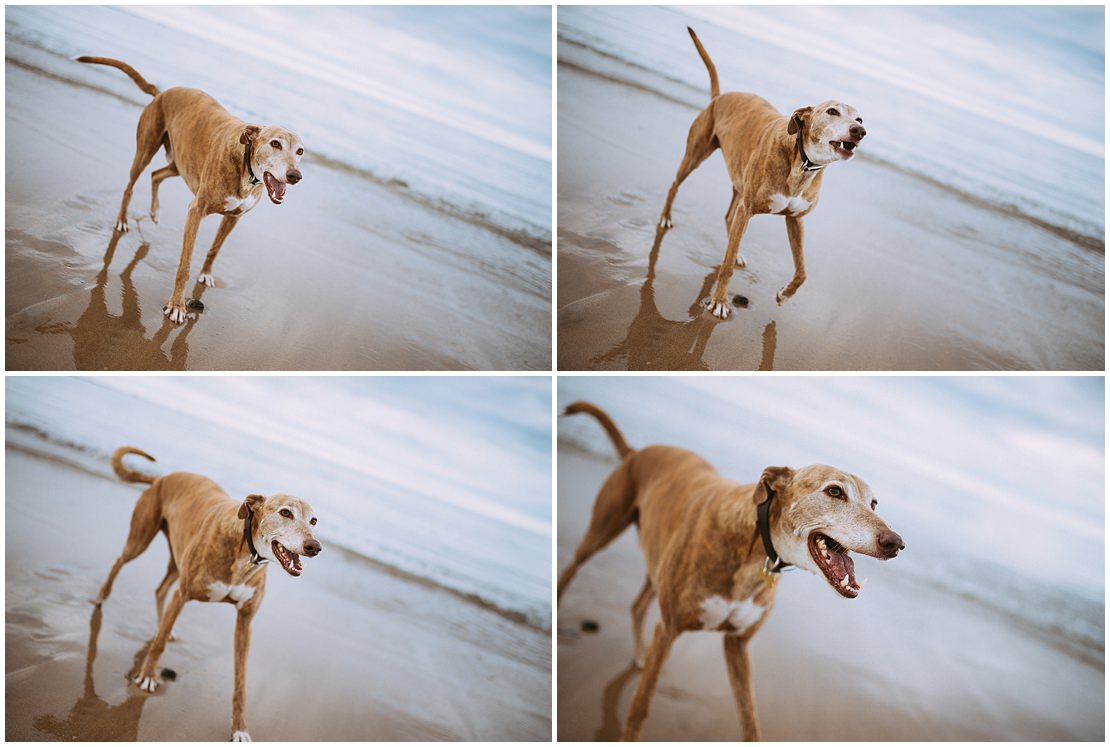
(807, 165)
(256, 559)
(250, 173)
(774, 563)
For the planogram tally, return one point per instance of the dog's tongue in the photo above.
(274, 188)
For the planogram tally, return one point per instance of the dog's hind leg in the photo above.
(700, 144)
(645, 688)
(613, 511)
(156, 178)
(146, 521)
(740, 677)
(164, 587)
(148, 139)
(639, 612)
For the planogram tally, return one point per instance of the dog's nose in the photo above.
(312, 548)
(857, 132)
(293, 176)
(891, 543)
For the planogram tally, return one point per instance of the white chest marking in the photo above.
(717, 610)
(240, 593)
(789, 205)
(241, 204)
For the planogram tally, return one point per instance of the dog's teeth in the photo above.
(844, 581)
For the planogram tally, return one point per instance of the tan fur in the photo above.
(204, 528)
(205, 145)
(699, 536)
(759, 146)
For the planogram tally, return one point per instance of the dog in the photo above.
(715, 548)
(221, 158)
(219, 548)
(775, 164)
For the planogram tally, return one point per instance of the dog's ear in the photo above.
(772, 482)
(798, 119)
(252, 502)
(250, 133)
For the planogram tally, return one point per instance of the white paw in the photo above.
(780, 297)
(154, 217)
(207, 279)
(719, 309)
(665, 222)
(149, 684)
(638, 661)
(121, 226)
(740, 261)
(176, 314)
(240, 736)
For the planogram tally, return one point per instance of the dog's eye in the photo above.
(873, 504)
(312, 521)
(286, 513)
(833, 112)
(859, 119)
(275, 144)
(834, 491)
(300, 151)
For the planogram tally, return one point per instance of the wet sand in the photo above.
(345, 652)
(901, 662)
(347, 274)
(902, 274)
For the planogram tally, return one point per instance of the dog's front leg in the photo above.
(175, 310)
(740, 677)
(239, 697)
(226, 225)
(796, 234)
(147, 678)
(645, 688)
(719, 305)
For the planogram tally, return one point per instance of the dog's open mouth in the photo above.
(289, 560)
(835, 563)
(274, 188)
(844, 148)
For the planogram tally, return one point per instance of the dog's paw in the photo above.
(121, 226)
(740, 261)
(240, 736)
(146, 683)
(719, 309)
(175, 312)
(665, 222)
(781, 296)
(207, 279)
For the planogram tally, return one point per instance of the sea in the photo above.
(447, 105)
(443, 480)
(997, 485)
(1001, 105)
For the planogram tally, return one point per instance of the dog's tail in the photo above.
(140, 81)
(125, 474)
(607, 423)
(714, 86)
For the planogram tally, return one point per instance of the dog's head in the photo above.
(831, 131)
(282, 529)
(821, 513)
(276, 155)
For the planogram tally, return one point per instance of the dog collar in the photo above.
(807, 165)
(774, 563)
(256, 559)
(247, 163)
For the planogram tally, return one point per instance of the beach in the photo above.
(911, 264)
(351, 650)
(414, 242)
(904, 661)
